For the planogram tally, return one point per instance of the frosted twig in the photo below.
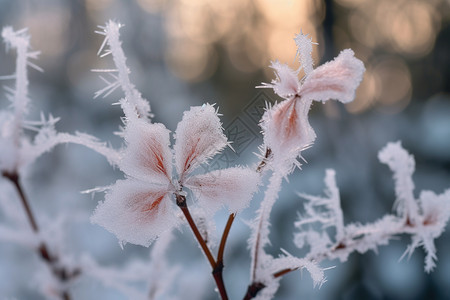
(260, 229)
(402, 164)
(133, 98)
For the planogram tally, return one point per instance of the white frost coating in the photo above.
(286, 84)
(20, 41)
(205, 225)
(233, 187)
(33, 151)
(147, 162)
(17, 150)
(402, 164)
(304, 50)
(287, 131)
(119, 76)
(199, 136)
(259, 237)
(287, 261)
(147, 155)
(337, 79)
(135, 212)
(12, 127)
(285, 126)
(332, 215)
(433, 213)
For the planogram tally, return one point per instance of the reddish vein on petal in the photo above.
(151, 206)
(190, 157)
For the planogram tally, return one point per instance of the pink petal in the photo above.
(233, 187)
(199, 136)
(286, 84)
(337, 79)
(147, 156)
(135, 212)
(286, 127)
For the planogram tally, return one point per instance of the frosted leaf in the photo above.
(199, 137)
(147, 155)
(337, 79)
(402, 164)
(233, 187)
(286, 128)
(286, 83)
(135, 212)
(304, 49)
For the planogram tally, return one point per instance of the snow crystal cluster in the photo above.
(162, 188)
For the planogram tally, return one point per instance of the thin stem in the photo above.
(60, 272)
(181, 202)
(223, 241)
(14, 178)
(216, 267)
(283, 272)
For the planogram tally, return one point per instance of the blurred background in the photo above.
(189, 52)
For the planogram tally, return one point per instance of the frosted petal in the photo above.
(199, 136)
(286, 127)
(233, 187)
(147, 155)
(286, 83)
(135, 212)
(337, 79)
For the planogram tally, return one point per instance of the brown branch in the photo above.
(60, 272)
(253, 290)
(223, 241)
(216, 268)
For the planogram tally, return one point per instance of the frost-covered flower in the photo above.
(140, 208)
(285, 126)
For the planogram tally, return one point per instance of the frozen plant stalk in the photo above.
(133, 105)
(287, 133)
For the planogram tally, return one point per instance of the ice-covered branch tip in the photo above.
(133, 105)
(402, 165)
(18, 95)
(433, 213)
